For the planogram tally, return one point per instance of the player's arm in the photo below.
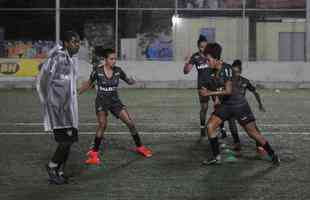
(252, 89)
(85, 86)
(227, 86)
(89, 83)
(128, 80)
(188, 66)
(43, 78)
(226, 92)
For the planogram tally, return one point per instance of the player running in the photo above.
(106, 76)
(233, 105)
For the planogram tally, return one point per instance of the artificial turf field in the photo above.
(168, 120)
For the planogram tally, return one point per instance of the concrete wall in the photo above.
(268, 38)
(170, 74)
(228, 32)
(153, 74)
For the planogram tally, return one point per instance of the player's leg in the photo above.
(234, 133)
(59, 157)
(93, 154)
(204, 103)
(72, 136)
(213, 124)
(247, 120)
(254, 133)
(125, 117)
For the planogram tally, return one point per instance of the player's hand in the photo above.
(216, 100)
(187, 57)
(262, 109)
(132, 81)
(204, 92)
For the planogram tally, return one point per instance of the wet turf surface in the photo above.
(175, 170)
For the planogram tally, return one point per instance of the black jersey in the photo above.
(203, 70)
(107, 87)
(244, 84)
(219, 79)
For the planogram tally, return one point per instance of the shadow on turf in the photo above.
(229, 181)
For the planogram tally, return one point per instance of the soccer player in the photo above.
(233, 105)
(244, 84)
(204, 72)
(106, 76)
(56, 86)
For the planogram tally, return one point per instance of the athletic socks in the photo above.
(268, 148)
(135, 136)
(234, 131)
(97, 143)
(202, 131)
(215, 146)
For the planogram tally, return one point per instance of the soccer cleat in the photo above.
(93, 158)
(62, 174)
(54, 177)
(231, 158)
(144, 151)
(213, 161)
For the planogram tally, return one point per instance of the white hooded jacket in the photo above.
(57, 89)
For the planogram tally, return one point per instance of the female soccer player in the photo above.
(204, 72)
(233, 105)
(244, 84)
(106, 75)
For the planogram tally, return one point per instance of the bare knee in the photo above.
(211, 127)
(102, 126)
(130, 124)
(204, 108)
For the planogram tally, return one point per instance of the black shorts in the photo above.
(206, 83)
(114, 106)
(243, 113)
(203, 99)
(66, 135)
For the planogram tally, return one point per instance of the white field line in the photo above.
(154, 133)
(157, 124)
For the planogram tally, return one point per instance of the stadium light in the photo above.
(176, 19)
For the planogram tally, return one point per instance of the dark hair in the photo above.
(201, 39)
(68, 35)
(214, 50)
(100, 51)
(237, 63)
